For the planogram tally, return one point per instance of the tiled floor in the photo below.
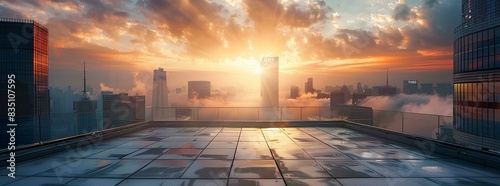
(249, 156)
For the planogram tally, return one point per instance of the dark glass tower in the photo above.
(24, 53)
(476, 77)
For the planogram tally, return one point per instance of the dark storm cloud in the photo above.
(403, 12)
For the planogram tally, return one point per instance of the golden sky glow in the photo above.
(230, 36)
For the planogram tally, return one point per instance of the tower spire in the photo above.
(387, 81)
(84, 92)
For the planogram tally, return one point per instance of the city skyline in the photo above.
(223, 41)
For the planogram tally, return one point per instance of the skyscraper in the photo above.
(85, 111)
(308, 88)
(160, 95)
(25, 59)
(199, 89)
(269, 79)
(122, 109)
(427, 88)
(294, 92)
(476, 77)
(410, 86)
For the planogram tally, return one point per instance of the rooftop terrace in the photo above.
(312, 153)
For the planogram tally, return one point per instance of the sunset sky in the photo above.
(333, 41)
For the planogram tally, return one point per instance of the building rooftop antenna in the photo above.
(84, 92)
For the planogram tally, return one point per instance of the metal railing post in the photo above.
(238, 113)
(218, 117)
(319, 113)
(300, 113)
(258, 113)
(402, 122)
(281, 113)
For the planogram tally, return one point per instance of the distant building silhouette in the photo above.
(160, 94)
(337, 97)
(24, 58)
(269, 86)
(122, 109)
(85, 111)
(294, 92)
(444, 89)
(410, 86)
(427, 88)
(199, 89)
(357, 97)
(308, 86)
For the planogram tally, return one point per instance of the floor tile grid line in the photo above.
(275, 162)
(197, 156)
(234, 157)
(334, 148)
(324, 169)
(150, 163)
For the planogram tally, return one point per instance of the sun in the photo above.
(257, 70)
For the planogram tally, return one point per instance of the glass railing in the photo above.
(63, 125)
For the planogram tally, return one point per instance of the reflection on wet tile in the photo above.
(313, 182)
(274, 145)
(208, 169)
(397, 154)
(251, 153)
(313, 145)
(189, 145)
(37, 166)
(251, 138)
(347, 168)
(94, 181)
(136, 144)
(329, 153)
(118, 168)
(362, 154)
(251, 145)
(232, 139)
(181, 154)
(386, 181)
(78, 168)
(256, 182)
(165, 144)
(146, 153)
(487, 171)
(290, 153)
(163, 169)
(417, 168)
(217, 154)
(254, 169)
(41, 181)
(220, 144)
(79, 152)
(301, 169)
(115, 153)
(228, 134)
(466, 181)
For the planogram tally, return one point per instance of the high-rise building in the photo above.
(476, 75)
(444, 89)
(269, 86)
(122, 109)
(308, 86)
(358, 97)
(85, 111)
(337, 97)
(294, 92)
(410, 86)
(160, 95)
(24, 59)
(359, 88)
(199, 89)
(427, 88)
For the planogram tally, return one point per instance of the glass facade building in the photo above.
(477, 75)
(24, 54)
